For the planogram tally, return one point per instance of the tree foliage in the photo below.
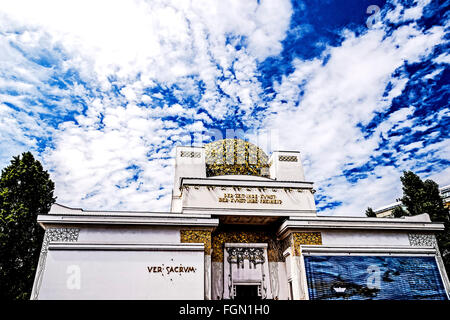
(424, 197)
(26, 191)
(370, 213)
(398, 212)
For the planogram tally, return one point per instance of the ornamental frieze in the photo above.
(59, 234)
(288, 158)
(237, 255)
(219, 238)
(190, 154)
(421, 240)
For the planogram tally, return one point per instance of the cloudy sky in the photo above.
(102, 91)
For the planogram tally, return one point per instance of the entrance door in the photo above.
(247, 292)
(246, 271)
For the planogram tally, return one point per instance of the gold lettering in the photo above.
(250, 198)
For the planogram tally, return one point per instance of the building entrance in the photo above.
(246, 271)
(247, 292)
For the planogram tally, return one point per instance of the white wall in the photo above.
(186, 166)
(88, 274)
(286, 170)
(129, 235)
(364, 238)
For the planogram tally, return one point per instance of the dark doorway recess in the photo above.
(247, 292)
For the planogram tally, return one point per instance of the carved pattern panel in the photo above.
(237, 255)
(421, 240)
(288, 158)
(190, 154)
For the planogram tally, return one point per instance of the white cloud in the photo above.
(138, 45)
(400, 14)
(339, 95)
(433, 74)
(443, 58)
(163, 40)
(117, 155)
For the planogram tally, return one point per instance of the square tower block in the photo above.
(189, 163)
(286, 166)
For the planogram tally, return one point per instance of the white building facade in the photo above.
(241, 225)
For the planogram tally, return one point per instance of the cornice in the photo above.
(167, 220)
(372, 250)
(126, 246)
(362, 223)
(268, 184)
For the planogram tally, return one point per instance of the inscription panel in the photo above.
(248, 198)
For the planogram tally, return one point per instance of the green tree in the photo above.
(424, 197)
(370, 213)
(398, 212)
(26, 191)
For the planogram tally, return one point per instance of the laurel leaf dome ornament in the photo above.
(235, 157)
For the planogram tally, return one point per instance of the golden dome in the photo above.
(235, 156)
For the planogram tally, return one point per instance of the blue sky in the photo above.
(102, 91)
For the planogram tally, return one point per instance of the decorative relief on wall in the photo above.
(59, 234)
(421, 240)
(197, 236)
(275, 284)
(219, 239)
(296, 239)
(190, 154)
(207, 277)
(237, 255)
(217, 280)
(288, 158)
(51, 234)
